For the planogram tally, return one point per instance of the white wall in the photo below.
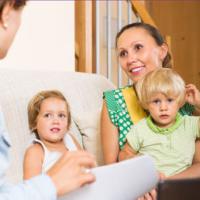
(45, 39)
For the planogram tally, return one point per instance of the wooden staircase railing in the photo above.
(140, 10)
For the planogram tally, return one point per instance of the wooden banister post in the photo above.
(141, 11)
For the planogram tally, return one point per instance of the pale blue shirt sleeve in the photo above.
(37, 188)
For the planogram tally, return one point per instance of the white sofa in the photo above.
(83, 91)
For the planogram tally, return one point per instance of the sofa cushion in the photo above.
(83, 92)
(89, 126)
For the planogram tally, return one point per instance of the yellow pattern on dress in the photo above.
(135, 110)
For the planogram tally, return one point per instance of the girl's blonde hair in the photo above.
(161, 80)
(35, 105)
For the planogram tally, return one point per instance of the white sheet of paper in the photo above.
(126, 180)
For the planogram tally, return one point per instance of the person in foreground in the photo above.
(165, 133)
(140, 49)
(49, 119)
(69, 167)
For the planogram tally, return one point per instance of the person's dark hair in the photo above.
(17, 4)
(154, 33)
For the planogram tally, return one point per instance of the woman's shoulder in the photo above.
(114, 98)
(117, 90)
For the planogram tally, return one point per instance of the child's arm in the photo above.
(193, 97)
(33, 160)
(127, 152)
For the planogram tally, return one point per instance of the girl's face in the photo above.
(138, 53)
(52, 120)
(9, 24)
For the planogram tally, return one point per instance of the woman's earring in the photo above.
(5, 25)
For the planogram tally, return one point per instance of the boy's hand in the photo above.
(152, 195)
(161, 176)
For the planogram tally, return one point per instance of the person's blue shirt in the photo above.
(38, 188)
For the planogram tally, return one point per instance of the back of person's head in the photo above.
(153, 32)
(161, 80)
(16, 4)
(35, 105)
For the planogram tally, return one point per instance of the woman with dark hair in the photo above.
(67, 174)
(140, 49)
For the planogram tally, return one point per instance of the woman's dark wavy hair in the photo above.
(17, 4)
(154, 33)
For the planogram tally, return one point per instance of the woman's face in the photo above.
(8, 29)
(138, 53)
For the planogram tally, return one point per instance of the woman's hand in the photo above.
(70, 172)
(193, 95)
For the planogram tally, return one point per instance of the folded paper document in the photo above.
(126, 180)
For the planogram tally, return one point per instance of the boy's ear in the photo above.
(182, 103)
(145, 106)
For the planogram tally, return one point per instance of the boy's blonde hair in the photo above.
(161, 80)
(35, 105)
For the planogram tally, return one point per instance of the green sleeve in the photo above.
(111, 104)
(187, 109)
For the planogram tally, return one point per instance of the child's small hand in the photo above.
(192, 95)
(152, 195)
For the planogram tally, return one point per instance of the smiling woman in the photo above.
(142, 54)
(141, 49)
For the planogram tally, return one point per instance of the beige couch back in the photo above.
(83, 92)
